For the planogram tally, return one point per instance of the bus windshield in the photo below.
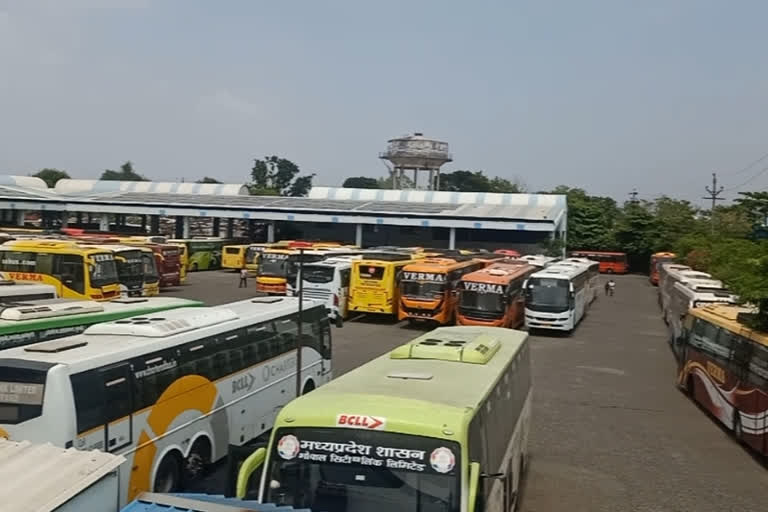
(547, 294)
(343, 470)
(129, 265)
(150, 268)
(476, 301)
(273, 265)
(318, 274)
(423, 289)
(103, 271)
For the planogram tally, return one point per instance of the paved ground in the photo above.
(610, 430)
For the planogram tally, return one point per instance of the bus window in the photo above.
(371, 272)
(71, 271)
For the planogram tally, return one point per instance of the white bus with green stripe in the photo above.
(23, 322)
(439, 424)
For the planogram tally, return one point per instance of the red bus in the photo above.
(656, 260)
(610, 262)
(723, 366)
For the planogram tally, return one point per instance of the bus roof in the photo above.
(708, 294)
(664, 255)
(562, 270)
(52, 245)
(106, 342)
(727, 316)
(609, 253)
(499, 273)
(415, 388)
(24, 316)
(436, 265)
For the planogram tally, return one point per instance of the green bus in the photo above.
(439, 424)
(25, 322)
(203, 253)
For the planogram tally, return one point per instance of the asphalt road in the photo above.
(610, 430)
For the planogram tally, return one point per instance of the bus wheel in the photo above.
(309, 386)
(198, 460)
(738, 432)
(339, 321)
(193, 268)
(168, 476)
(690, 387)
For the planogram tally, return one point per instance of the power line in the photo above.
(760, 173)
(751, 165)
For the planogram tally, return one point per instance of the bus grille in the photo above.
(314, 293)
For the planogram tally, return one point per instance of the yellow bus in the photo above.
(253, 253)
(234, 256)
(77, 272)
(438, 424)
(373, 286)
(184, 259)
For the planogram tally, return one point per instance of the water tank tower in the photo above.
(416, 153)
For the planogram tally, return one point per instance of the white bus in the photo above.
(12, 291)
(169, 391)
(328, 281)
(558, 296)
(693, 293)
(669, 276)
(539, 260)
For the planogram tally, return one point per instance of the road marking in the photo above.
(601, 369)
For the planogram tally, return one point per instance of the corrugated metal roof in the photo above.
(151, 502)
(41, 477)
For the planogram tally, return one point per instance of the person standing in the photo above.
(243, 278)
(611, 286)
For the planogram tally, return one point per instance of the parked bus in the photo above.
(151, 273)
(278, 266)
(724, 368)
(559, 296)
(252, 254)
(428, 289)
(234, 256)
(493, 296)
(373, 285)
(130, 269)
(23, 322)
(77, 272)
(170, 391)
(693, 293)
(656, 260)
(168, 259)
(328, 281)
(610, 262)
(671, 274)
(438, 424)
(508, 252)
(15, 291)
(183, 260)
(203, 253)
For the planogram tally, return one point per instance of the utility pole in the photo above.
(713, 192)
(633, 196)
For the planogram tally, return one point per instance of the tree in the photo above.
(278, 176)
(207, 179)
(360, 182)
(505, 186)
(674, 219)
(126, 173)
(755, 205)
(636, 232)
(406, 182)
(591, 219)
(50, 176)
(465, 181)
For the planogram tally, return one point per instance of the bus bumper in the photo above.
(556, 323)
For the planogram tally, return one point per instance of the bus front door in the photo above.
(118, 406)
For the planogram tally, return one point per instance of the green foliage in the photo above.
(360, 182)
(755, 205)
(126, 173)
(476, 181)
(279, 177)
(406, 182)
(50, 176)
(591, 220)
(207, 179)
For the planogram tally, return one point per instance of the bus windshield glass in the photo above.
(547, 294)
(273, 265)
(423, 289)
(318, 274)
(346, 470)
(486, 302)
(103, 271)
(150, 268)
(130, 265)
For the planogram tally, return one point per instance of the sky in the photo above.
(605, 95)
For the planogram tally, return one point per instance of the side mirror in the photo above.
(250, 465)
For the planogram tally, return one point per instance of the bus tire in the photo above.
(198, 460)
(193, 267)
(169, 475)
(690, 387)
(339, 321)
(309, 386)
(738, 432)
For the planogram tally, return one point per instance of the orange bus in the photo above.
(656, 260)
(493, 296)
(427, 288)
(610, 262)
(508, 252)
